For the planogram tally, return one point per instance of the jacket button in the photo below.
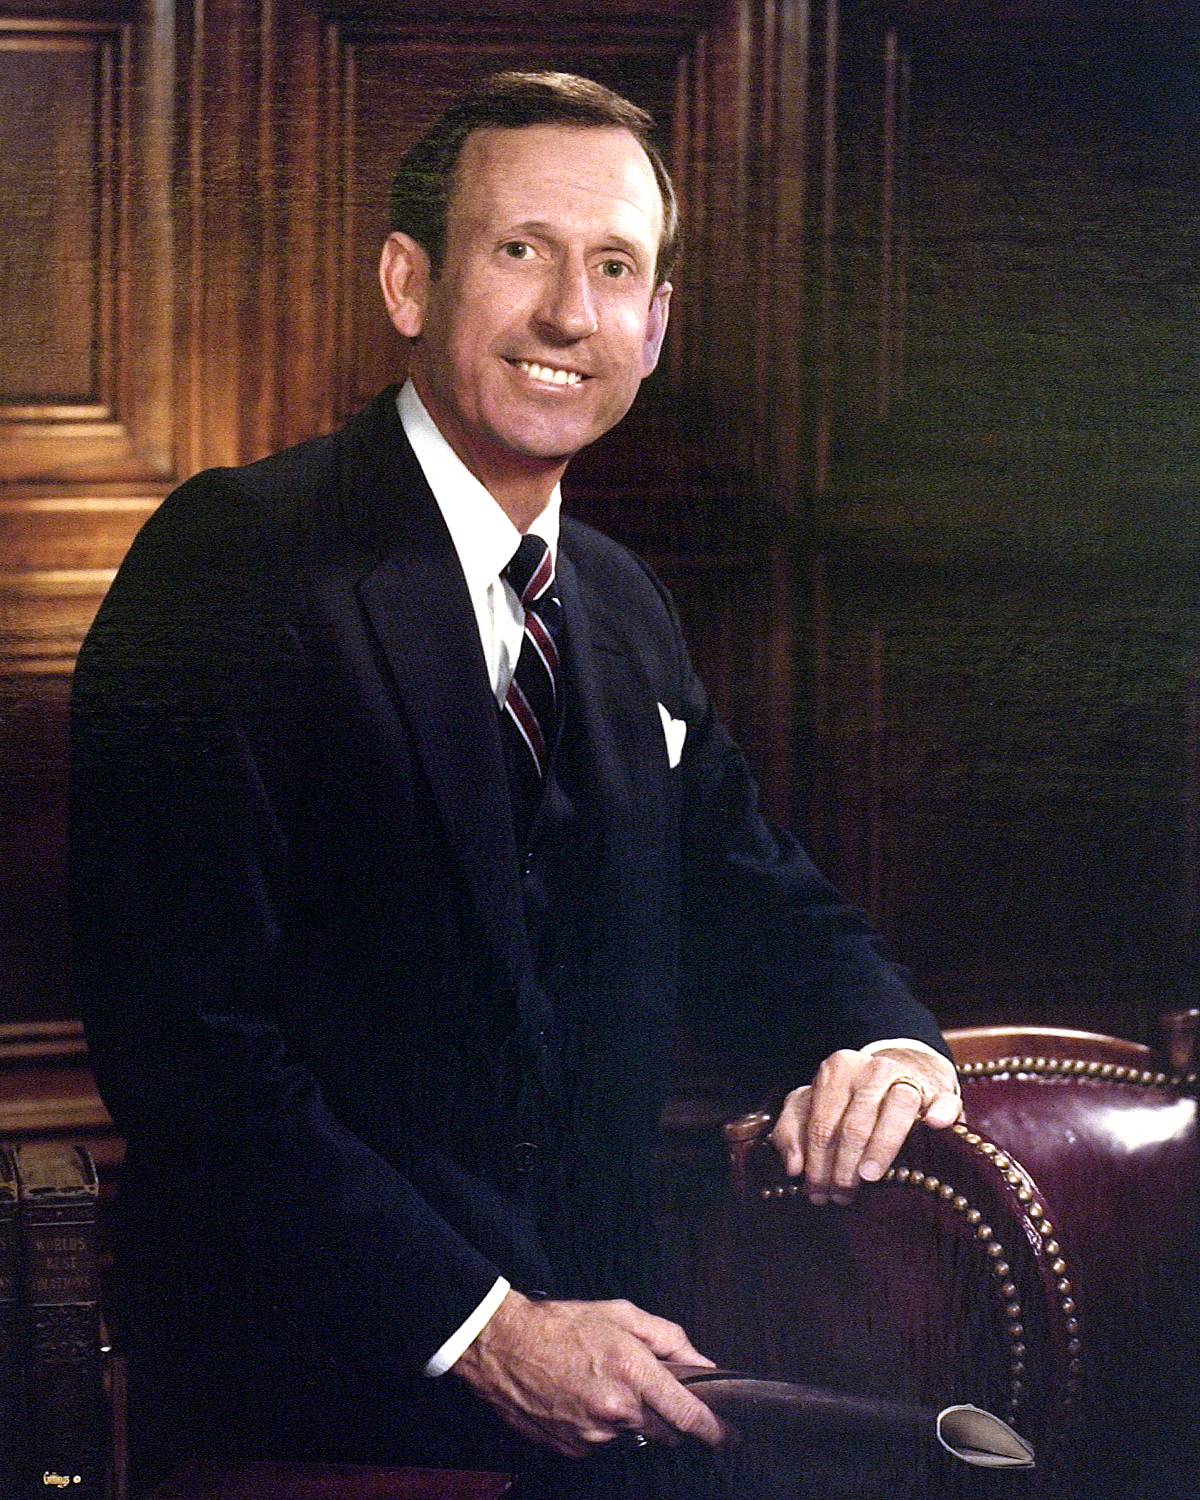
(527, 865)
(525, 1155)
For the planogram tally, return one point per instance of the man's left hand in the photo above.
(847, 1125)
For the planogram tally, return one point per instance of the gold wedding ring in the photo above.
(912, 1083)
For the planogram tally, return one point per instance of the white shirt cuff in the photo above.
(466, 1333)
(914, 1045)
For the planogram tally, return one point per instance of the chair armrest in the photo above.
(952, 1264)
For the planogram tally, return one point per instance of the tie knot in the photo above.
(530, 569)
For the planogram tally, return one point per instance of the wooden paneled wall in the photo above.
(875, 374)
(89, 443)
(1003, 606)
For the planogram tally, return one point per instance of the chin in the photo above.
(557, 445)
(558, 440)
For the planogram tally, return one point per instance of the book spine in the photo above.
(62, 1313)
(12, 1397)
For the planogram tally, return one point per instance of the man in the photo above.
(393, 870)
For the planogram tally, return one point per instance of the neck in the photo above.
(521, 486)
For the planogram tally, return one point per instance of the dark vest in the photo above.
(593, 1227)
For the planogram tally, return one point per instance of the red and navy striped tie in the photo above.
(531, 707)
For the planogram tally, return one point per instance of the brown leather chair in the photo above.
(1038, 1260)
(1109, 1131)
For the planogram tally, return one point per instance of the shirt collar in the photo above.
(483, 536)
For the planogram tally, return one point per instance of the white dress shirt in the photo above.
(483, 536)
(485, 540)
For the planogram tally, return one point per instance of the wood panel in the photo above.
(791, 144)
(58, 291)
(33, 842)
(50, 1089)
(85, 283)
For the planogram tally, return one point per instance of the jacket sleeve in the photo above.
(774, 960)
(188, 692)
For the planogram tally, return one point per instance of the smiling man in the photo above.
(547, 310)
(404, 834)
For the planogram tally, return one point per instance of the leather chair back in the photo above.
(1033, 1260)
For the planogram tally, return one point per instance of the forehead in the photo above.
(587, 178)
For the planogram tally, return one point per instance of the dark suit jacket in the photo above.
(302, 952)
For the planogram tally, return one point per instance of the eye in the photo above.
(614, 270)
(517, 250)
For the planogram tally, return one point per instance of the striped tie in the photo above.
(531, 707)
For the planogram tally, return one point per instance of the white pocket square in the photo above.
(675, 732)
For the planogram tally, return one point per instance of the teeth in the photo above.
(548, 375)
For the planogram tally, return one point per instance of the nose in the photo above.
(567, 310)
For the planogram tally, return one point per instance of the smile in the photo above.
(548, 374)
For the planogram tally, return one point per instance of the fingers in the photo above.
(662, 1337)
(872, 1137)
(684, 1413)
(831, 1093)
(670, 1412)
(848, 1126)
(790, 1129)
(945, 1109)
(645, 1397)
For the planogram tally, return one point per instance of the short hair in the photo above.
(419, 201)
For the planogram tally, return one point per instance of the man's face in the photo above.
(544, 318)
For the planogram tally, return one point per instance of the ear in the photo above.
(656, 327)
(405, 275)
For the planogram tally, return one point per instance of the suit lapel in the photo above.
(621, 735)
(415, 598)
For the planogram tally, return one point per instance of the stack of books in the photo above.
(52, 1427)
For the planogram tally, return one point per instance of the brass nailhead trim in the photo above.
(985, 1235)
(1023, 1192)
(1077, 1067)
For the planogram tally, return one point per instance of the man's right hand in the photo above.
(572, 1375)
